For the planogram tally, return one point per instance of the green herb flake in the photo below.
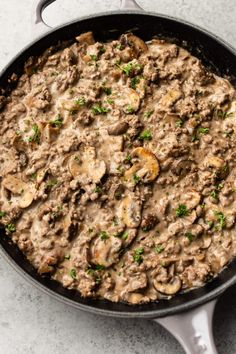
(98, 190)
(136, 179)
(179, 123)
(102, 50)
(159, 248)
(203, 130)
(81, 101)
(73, 273)
(120, 46)
(104, 235)
(36, 136)
(138, 255)
(2, 214)
(11, 228)
(127, 69)
(100, 110)
(189, 236)
(134, 82)
(182, 211)
(128, 158)
(221, 219)
(145, 135)
(68, 256)
(214, 194)
(107, 90)
(58, 122)
(148, 114)
(129, 109)
(94, 57)
(222, 114)
(53, 182)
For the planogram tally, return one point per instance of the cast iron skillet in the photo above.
(190, 314)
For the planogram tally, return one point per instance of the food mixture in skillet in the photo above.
(118, 165)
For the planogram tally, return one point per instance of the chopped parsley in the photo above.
(127, 69)
(81, 101)
(148, 114)
(159, 248)
(120, 46)
(145, 135)
(104, 235)
(2, 214)
(36, 136)
(107, 90)
(53, 182)
(128, 158)
(129, 109)
(222, 114)
(94, 57)
(179, 123)
(203, 130)
(214, 194)
(77, 159)
(134, 82)
(58, 122)
(73, 273)
(189, 236)
(136, 179)
(98, 190)
(182, 211)
(102, 50)
(221, 219)
(11, 228)
(100, 110)
(138, 255)
(67, 256)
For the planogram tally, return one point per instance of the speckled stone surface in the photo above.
(30, 321)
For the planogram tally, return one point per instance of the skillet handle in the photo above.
(39, 27)
(193, 329)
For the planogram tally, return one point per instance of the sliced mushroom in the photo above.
(147, 167)
(41, 175)
(25, 191)
(128, 100)
(169, 288)
(130, 211)
(70, 105)
(117, 128)
(135, 42)
(105, 252)
(88, 165)
(50, 133)
(170, 97)
(214, 161)
(86, 37)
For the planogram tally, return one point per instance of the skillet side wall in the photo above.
(218, 57)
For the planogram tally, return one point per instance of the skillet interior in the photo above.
(219, 57)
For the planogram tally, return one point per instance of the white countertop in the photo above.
(32, 322)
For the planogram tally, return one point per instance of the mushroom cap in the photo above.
(169, 288)
(25, 191)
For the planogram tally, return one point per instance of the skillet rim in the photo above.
(190, 304)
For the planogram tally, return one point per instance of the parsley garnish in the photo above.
(221, 219)
(100, 110)
(179, 123)
(104, 235)
(129, 109)
(222, 114)
(81, 101)
(120, 46)
(53, 182)
(94, 57)
(11, 228)
(203, 130)
(67, 256)
(107, 90)
(102, 50)
(98, 190)
(36, 136)
(73, 273)
(128, 158)
(148, 114)
(136, 179)
(145, 135)
(127, 69)
(182, 211)
(2, 214)
(138, 255)
(190, 236)
(214, 194)
(134, 82)
(58, 122)
(159, 248)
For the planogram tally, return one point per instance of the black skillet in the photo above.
(187, 316)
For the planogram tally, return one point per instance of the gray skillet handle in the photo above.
(193, 329)
(39, 27)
